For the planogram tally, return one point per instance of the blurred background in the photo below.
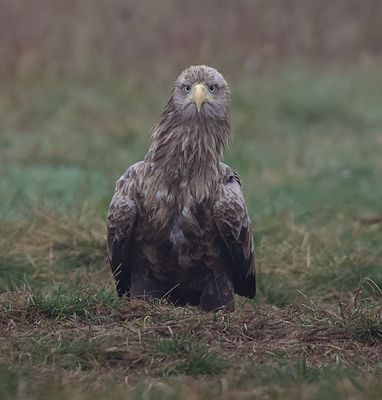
(82, 82)
(123, 37)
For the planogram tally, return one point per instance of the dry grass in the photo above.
(52, 238)
(94, 339)
(124, 333)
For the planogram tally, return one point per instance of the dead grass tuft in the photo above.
(59, 331)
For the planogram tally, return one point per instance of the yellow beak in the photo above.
(198, 95)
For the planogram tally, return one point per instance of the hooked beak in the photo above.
(198, 95)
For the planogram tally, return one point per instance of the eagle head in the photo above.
(194, 127)
(201, 93)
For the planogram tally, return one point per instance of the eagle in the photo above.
(178, 226)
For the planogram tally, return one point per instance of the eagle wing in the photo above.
(232, 221)
(121, 220)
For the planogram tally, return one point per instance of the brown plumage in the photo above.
(177, 225)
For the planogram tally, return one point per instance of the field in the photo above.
(308, 145)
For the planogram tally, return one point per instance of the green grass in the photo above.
(72, 303)
(308, 149)
(13, 273)
(196, 359)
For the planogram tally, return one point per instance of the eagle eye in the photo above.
(212, 88)
(186, 88)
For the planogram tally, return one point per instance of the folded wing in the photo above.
(120, 229)
(233, 224)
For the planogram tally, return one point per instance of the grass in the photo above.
(307, 146)
(195, 359)
(78, 303)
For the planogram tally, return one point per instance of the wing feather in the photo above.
(233, 224)
(121, 220)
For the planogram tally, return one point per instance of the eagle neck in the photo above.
(186, 152)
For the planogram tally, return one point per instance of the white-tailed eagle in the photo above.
(178, 225)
